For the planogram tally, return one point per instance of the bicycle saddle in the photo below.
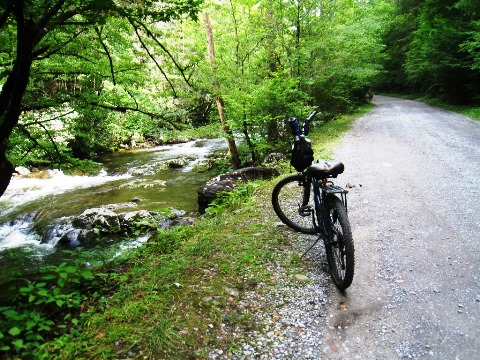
(325, 169)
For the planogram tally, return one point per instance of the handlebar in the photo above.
(311, 116)
(298, 131)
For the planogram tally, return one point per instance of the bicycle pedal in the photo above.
(305, 210)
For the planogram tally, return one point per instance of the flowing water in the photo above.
(33, 210)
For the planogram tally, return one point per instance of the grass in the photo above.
(472, 112)
(175, 303)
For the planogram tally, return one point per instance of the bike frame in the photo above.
(322, 188)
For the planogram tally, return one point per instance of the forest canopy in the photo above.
(80, 78)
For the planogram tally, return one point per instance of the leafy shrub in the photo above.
(47, 307)
(232, 200)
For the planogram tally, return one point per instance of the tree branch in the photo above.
(152, 57)
(110, 60)
(133, 97)
(48, 120)
(180, 69)
(124, 109)
(47, 54)
(24, 130)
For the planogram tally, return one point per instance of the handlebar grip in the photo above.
(293, 122)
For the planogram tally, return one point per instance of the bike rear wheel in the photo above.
(339, 245)
(290, 205)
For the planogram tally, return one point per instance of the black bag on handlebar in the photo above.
(302, 154)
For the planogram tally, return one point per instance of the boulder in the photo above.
(273, 158)
(140, 217)
(96, 222)
(22, 170)
(75, 237)
(208, 192)
(178, 163)
(101, 217)
(250, 174)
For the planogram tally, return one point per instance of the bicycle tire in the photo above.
(339, 247)
(287, 199)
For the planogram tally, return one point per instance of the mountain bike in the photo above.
(309, 202)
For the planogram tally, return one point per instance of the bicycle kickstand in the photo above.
(311, 246)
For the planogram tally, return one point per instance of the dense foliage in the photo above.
(432, 47)
(82, 78)
(75, 76)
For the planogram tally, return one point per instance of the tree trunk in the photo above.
(232, 147)
(274, 63)
(13, 90)
(250, 143)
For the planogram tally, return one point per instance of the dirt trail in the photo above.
(415, 214)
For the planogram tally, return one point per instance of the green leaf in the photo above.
(30, 324)
(71, 269)
(18, 343)
(14, 331)
(43, 292)
(12, 314)
(48, 277)
(87, 274)
(26, 289)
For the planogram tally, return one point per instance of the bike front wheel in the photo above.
(292, 200)
(339, 245)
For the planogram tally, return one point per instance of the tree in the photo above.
(432, 48)
(436, 63)
(277, 59)
(35, 31)
(235, 159)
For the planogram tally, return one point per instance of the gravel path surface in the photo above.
(413, 173)
(416, 220)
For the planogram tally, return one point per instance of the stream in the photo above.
(34, 210)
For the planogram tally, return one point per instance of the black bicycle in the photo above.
(324, 213)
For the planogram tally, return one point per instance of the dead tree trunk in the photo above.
(232, 147)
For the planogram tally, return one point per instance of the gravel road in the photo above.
(415, 213)
(413, 175)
